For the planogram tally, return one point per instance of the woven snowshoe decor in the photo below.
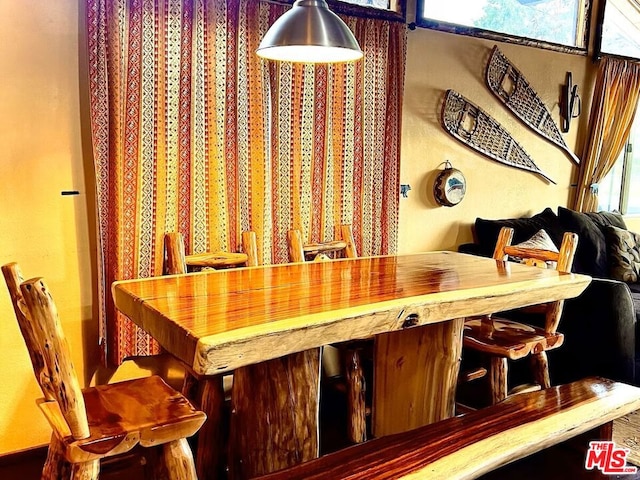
(512, 88)
(475, 128)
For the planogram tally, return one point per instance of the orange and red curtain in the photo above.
(192, 132)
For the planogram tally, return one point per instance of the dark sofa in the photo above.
(600, 324)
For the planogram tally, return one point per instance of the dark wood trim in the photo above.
(38, 455)
(361, 11)
(502, 37)
(29, 455)
(598, 54)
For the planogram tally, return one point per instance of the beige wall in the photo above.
(440, 61)
(43, 133)
(42, 155)
(42, 127)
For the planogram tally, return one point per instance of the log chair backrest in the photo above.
(296, 246)
(563, 259)
(13, 278)
(52, 365)
(174, 252)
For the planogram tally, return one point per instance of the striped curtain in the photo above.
(192, 132)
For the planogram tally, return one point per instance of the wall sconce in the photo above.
(309, 33)
(568, 103)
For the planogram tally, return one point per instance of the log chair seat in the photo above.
(508, 339)
(144, 411)
(471, 445)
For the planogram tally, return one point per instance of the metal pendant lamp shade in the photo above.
(310, 33)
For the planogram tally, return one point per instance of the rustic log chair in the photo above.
(201, 391)
(300, 252)
(504, 340)
(102, 421)
(347, 353)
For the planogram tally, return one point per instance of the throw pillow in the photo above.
(624, 254)
(605, 219)
(541, 241)
(591, 254)
(487, 231)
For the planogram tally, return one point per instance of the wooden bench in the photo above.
(474, 444)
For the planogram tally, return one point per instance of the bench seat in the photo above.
(471, 445)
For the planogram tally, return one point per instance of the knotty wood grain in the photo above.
(218, 321)
(212, 441)
(274, 414)
(356, 386)
(49, 339)
(498, 375)
(174, 254)
(250, 248)
(13, 278)
(506, 338)
(145, 411)
(56, 466)
(178, 461)
(467, 447)
(217, 259)
(415, 376)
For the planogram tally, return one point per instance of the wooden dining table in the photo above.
(267, 325)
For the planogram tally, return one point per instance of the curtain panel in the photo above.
(193, 132)
(615, 100)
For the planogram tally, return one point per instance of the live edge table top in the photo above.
(217, 321)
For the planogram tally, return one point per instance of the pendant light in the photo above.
(310, 33)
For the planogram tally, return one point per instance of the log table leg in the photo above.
(356, 416)
(274, 414)
(210, 456)
(415, 375)
(498, 374)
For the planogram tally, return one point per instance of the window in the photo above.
(620, 33)
(383, 9)
(556, 24)
(615, 191)
(382, 4)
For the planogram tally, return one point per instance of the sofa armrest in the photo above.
(599, 328)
